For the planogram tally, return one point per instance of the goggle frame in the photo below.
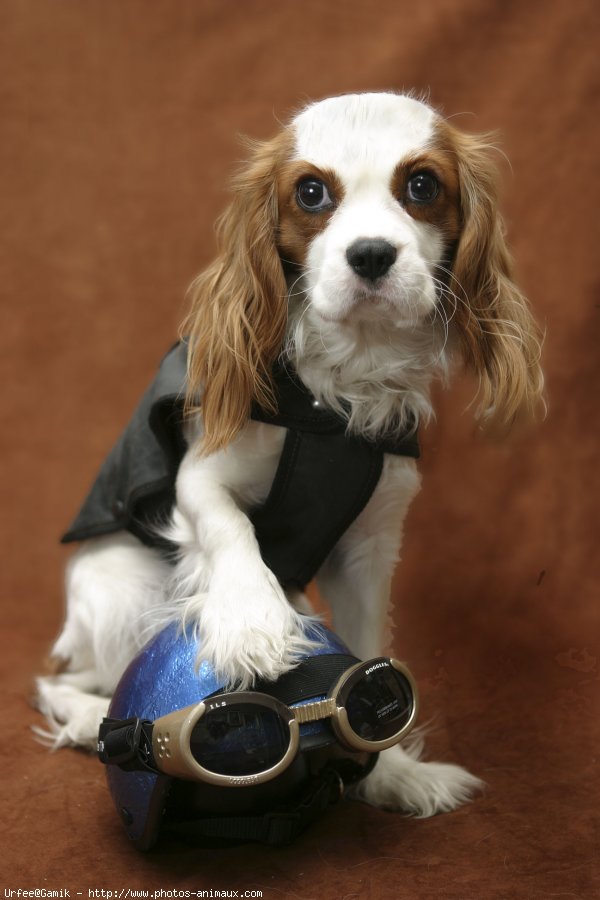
(172, 733)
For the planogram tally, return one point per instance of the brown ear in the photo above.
(238, 315)
(499, 337)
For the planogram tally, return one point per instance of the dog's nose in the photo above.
(371, 257)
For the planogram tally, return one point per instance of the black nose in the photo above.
(371, 257)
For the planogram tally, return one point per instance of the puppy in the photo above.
(361, 257)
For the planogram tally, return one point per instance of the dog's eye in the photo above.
(423, 187)
(312, 195)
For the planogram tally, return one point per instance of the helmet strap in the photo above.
(276, 827)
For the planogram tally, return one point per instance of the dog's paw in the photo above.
(248, 630)
(256, 644)
(401, 781)
(72, 715)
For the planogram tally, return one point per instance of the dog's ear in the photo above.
(238, 314)
(499, 337)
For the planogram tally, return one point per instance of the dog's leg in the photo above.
(244, 621)
(356, 578)
(356, 583)
(402, 781)
(111, 584)
(72, 709)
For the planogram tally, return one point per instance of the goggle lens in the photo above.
(239, 739)
(380, 704)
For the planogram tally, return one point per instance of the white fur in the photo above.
(221, 561)
(374, 348)
(400, 780)
(356, 577)
(362, 138)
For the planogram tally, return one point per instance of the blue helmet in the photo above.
(186, 757)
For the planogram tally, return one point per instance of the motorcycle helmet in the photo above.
(185, 757)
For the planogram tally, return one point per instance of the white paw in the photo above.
(73, 716)
(247, 629)
(401, 781)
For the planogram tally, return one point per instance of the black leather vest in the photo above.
(323, 481)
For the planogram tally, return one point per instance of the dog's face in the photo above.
(372, 217)
(369, 208)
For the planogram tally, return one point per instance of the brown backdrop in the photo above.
(118, 134)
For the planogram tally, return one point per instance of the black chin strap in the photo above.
(285, 823)
(274, 828)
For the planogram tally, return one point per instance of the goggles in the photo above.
(247, 738)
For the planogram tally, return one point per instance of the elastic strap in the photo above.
(126, 743)
(313, 677)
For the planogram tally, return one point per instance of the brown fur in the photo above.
(297, 227)
(499, 338)
(444, 211)
(237, 320)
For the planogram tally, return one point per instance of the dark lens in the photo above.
(380, 704)
(241, 739)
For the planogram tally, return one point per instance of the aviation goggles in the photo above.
(246, 737)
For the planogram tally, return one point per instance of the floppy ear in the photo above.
(238, 313)
(500, 340)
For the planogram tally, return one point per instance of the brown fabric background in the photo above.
(118, 134)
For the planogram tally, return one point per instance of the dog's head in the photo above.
(377, 214)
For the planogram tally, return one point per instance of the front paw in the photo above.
(401, 781)
(248, 630)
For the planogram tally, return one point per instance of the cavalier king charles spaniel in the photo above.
(363, 251)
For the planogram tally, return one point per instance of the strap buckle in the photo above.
(124, 743)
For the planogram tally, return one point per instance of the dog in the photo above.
(363, 254)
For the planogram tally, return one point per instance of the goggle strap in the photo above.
(312, 677)
(126, 743)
